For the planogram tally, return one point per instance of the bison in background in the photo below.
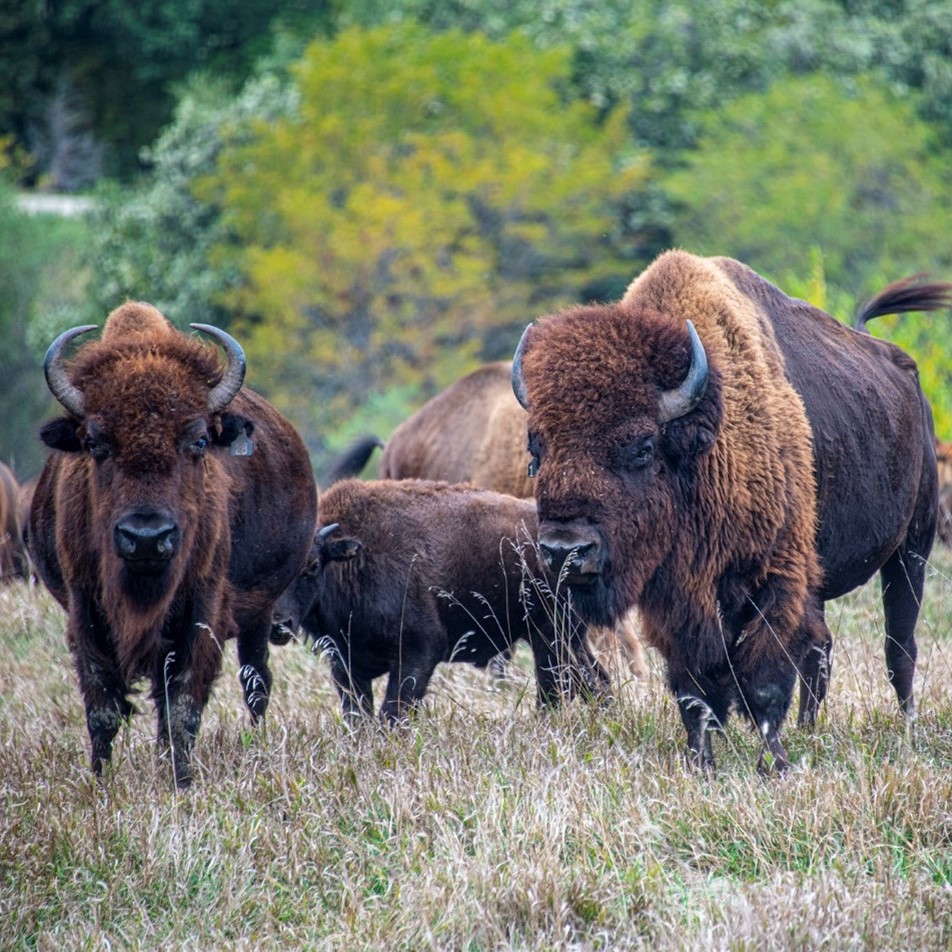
(13, 558)
(406, 574)
(173, 511)
(943, 453)
(728, 458)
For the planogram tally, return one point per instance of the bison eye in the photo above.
(197, 448)
(97, 449)
(637, 455)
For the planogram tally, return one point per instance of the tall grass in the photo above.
(483, 824)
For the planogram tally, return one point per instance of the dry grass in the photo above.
(483, 824)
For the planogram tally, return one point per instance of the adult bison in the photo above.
(13, 561)
(698, 444)
(406, 574)
(474, 431)
(174, 511)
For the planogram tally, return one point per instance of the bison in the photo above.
(474, 432)
(13, 560)
(404, 575)
(174, 510)
(728, 459)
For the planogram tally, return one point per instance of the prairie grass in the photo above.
(483, 824)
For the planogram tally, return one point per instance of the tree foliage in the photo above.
(814, 162)
(431, 195)
(116, 63)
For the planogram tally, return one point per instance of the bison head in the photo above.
(144, 404)
(622, 408)
(300, 598)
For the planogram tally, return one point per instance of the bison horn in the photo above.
(518, 382)
(57, 380)
(326, 531)
(685, 397)
(229, 385)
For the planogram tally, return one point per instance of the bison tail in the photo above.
(352, 460)
(903, 296)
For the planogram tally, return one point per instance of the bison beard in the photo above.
(159, 543)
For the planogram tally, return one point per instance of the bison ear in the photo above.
(684, 441)
(232, 426)
(341, 550)
(61, 434)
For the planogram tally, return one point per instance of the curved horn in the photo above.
(229, 385)
(687, 395)
(56, 379)
(323, 533)
(518, 383)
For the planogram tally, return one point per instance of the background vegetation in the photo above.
(376, 197)
(484, 824)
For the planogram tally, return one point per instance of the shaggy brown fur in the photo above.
(475, 432)
(422, 572)
(707, 523)
(147, 449)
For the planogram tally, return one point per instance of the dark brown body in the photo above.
(808, 445)
(475, 432)
(158, 542)
(421, 572)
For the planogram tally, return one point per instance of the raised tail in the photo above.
(908, 294)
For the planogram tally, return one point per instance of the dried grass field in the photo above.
(483, 824)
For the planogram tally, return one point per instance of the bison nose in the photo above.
(149, 537)
(573, 554)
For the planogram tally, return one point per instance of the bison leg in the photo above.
(355, 692)
(816, 667)
(410, 674)
(697, 716)
(180, 691)
(105, 694)
(253, 671)
(902, 578)
(565, 666)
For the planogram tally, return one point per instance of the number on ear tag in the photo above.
(242, 446)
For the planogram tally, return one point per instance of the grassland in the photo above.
(484, 824)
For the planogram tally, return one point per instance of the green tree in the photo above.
(42, 282)
(432, 194)
(86, 84)
(154, 241)
(815, 163)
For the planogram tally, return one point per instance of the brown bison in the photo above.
(474, 432)
(943, 453)
(176, 508)
(13, 560)
(698, 445)
(404, 575)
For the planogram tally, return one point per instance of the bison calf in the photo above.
(404, 575)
